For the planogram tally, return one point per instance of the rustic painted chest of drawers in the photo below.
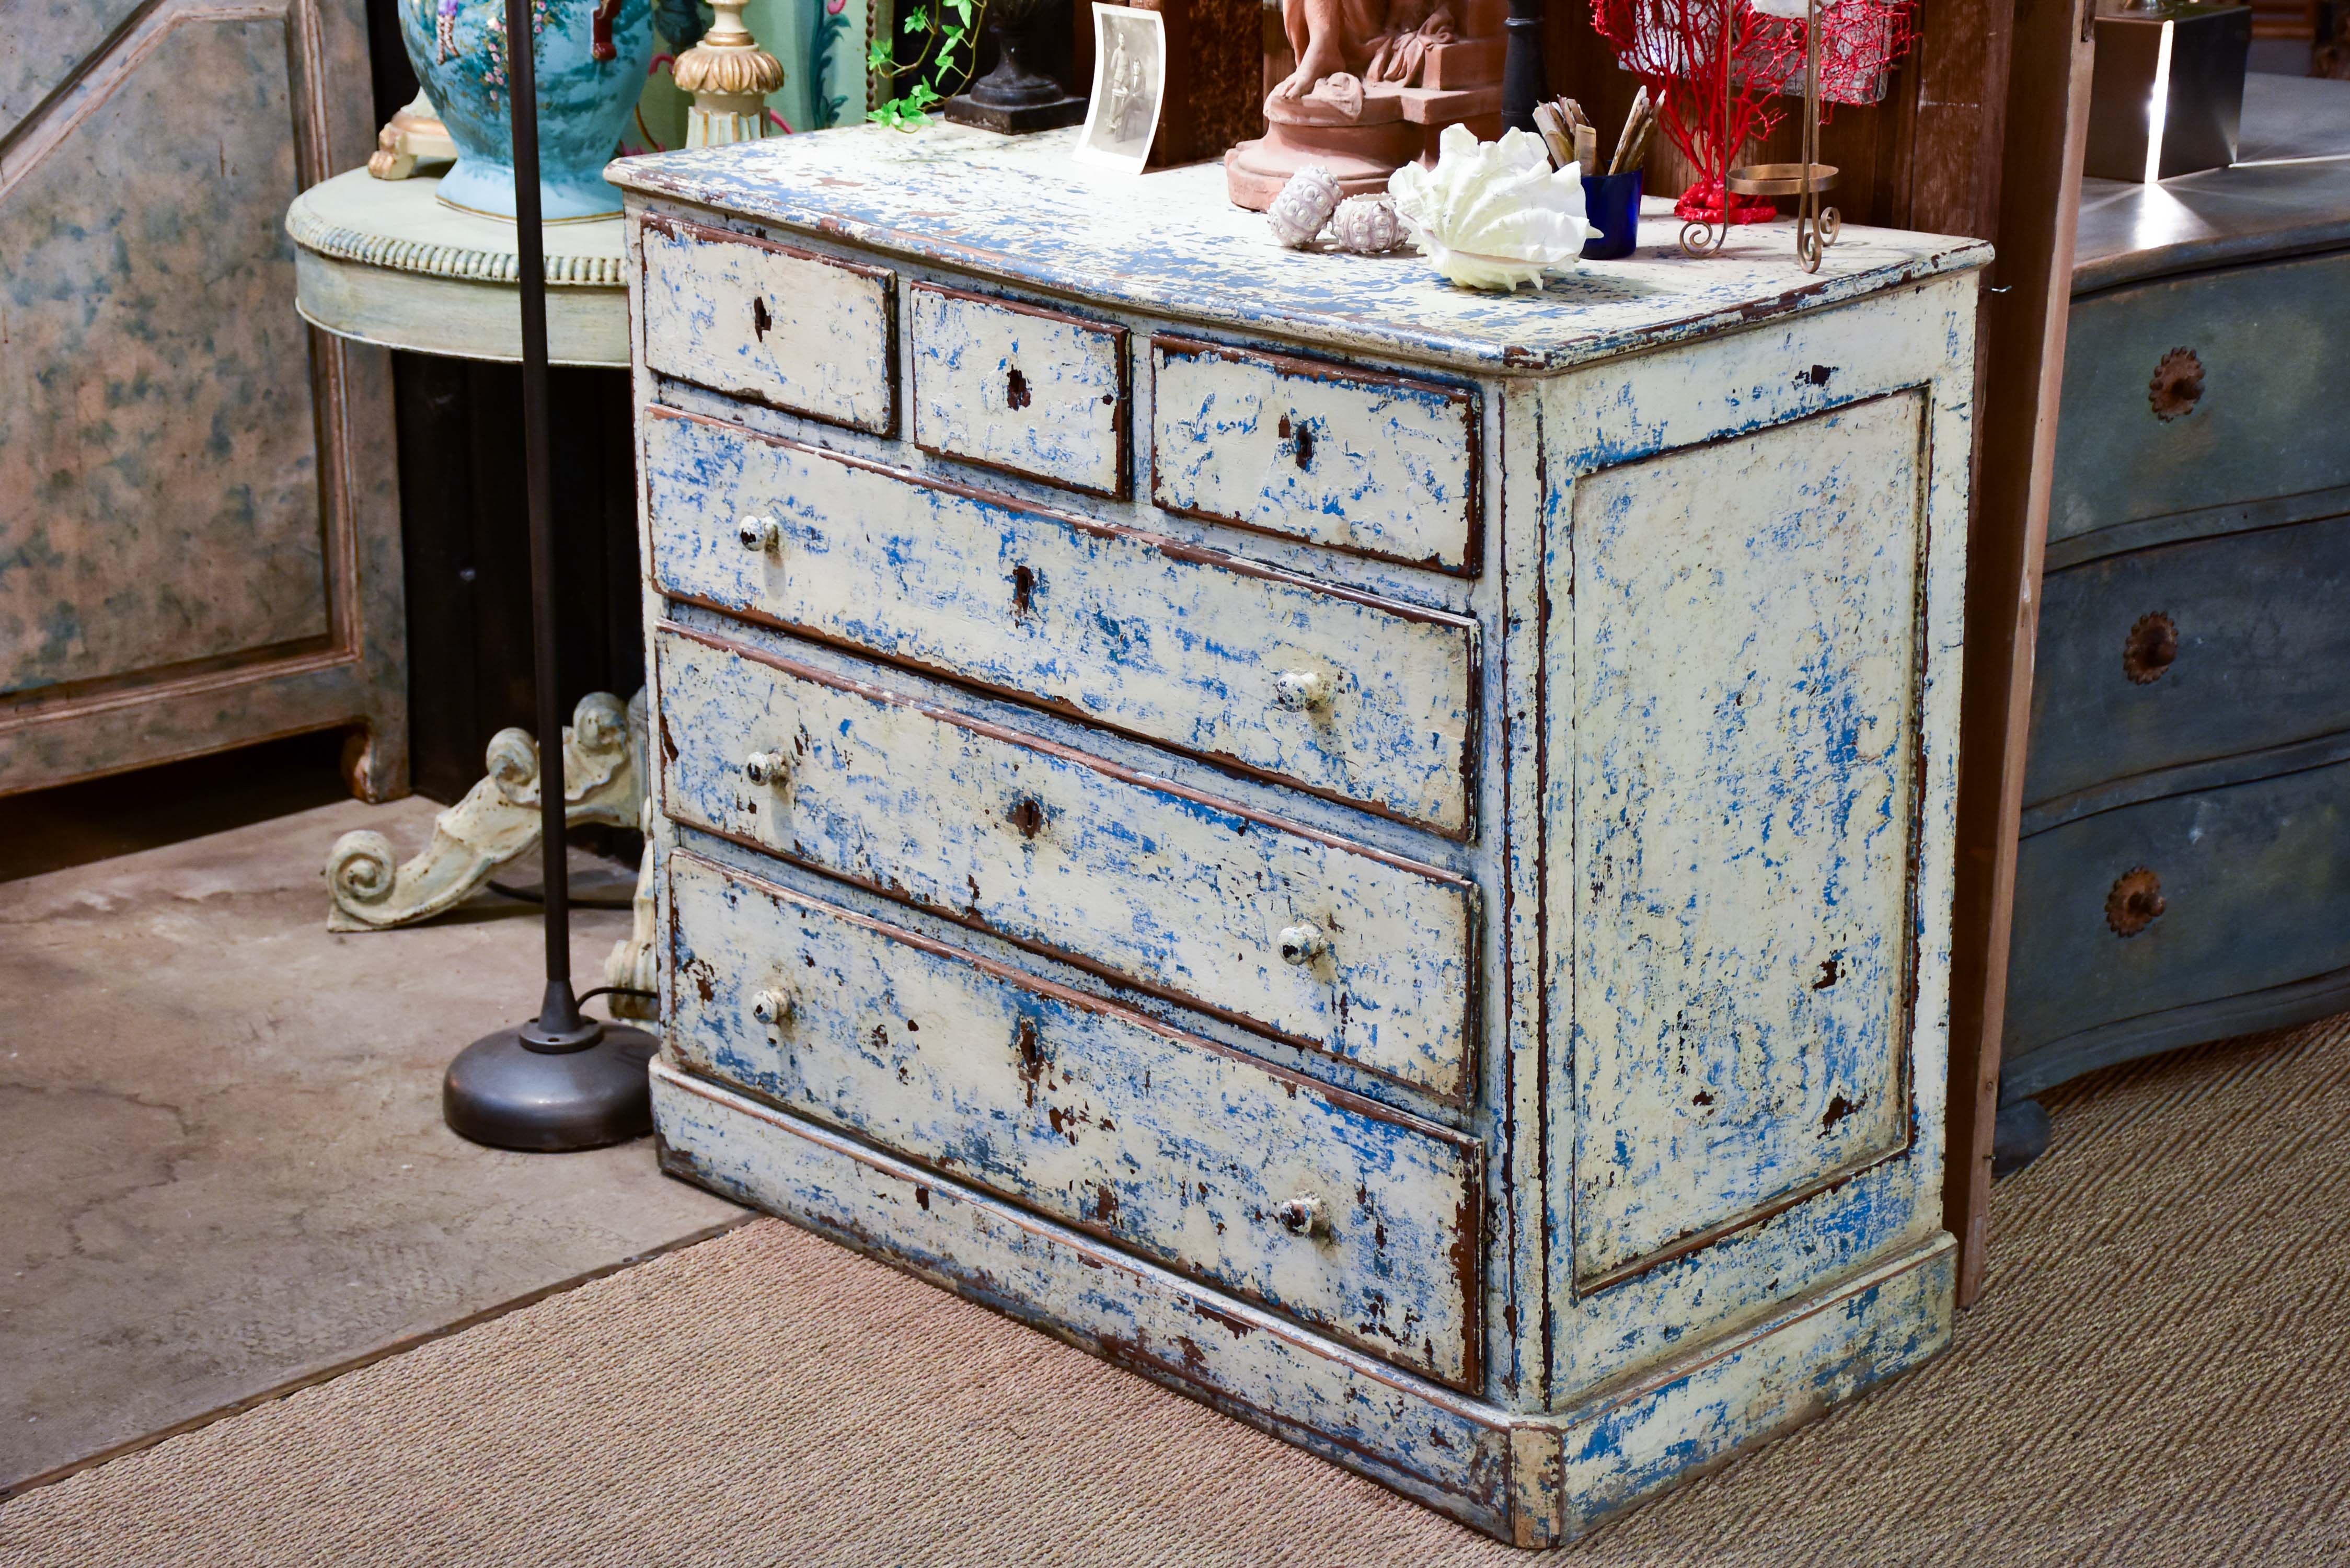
(1377, 855)
(2184, 873)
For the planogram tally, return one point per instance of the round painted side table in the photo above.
(383, 262)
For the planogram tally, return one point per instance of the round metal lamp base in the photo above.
(502, 1093)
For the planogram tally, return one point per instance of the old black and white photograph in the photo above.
(1129, 80)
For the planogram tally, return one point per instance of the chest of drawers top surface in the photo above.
(1173, 245)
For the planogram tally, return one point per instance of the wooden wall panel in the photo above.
(198, 544)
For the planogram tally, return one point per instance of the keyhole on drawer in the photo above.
(1016, 390)
(760, 319)
(1027, 815)
(2149, 650)
(2178, 385)
(2134, 902)
(1031, 1056)
(1024, 591)
(1303, 433)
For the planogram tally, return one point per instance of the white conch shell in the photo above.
(1305, 204)
(1493, 215)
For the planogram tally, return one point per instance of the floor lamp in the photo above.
(561, 1081)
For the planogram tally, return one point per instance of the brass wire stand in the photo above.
(1816, 226)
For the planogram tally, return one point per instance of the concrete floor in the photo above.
(221, 1140)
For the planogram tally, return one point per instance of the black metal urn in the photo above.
(1020, 93)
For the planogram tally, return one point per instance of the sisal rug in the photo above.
(2159, 1374)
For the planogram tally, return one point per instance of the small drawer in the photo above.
(1378, 465)
(2183, 899)
(2197, 391)
(1360, 1222)
(1026, 390)
(2186, 652)
(1360, 699)
(1322, 943)
(787, 327)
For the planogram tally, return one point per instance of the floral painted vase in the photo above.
(591, 58)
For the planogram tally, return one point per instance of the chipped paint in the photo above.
(1180, 1150)
(1012, 386)
(1744, 710)
(1381, 465)
(1169, 642)
(1186, 893)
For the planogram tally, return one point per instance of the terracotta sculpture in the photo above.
(1362, 87)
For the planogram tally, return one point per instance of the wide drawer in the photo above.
(1012, 386)
(2190, 651)
(2183, 899)
(1360, 699)
(789, 327)
(1380, 465)
(1328, 945)
(1360, 1222)
(2197, 392)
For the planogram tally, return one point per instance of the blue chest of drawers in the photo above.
(2185, 867)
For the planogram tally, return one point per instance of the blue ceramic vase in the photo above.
(591, 60)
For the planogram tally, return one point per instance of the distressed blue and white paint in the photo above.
(1379, 464)
(1358, 1220)
(1168, 887)
(1746, 677)
(1652, 580)
(1012, 387)
(801, 332)
(1172, 644)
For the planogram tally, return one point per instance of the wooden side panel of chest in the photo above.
(1747, 677)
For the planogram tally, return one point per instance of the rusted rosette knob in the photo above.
(2134, 901)
(2149, 650)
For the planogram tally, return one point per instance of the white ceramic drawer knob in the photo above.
(1302, 690)
(771, 1006)
(1303, 944)
(1304, 1217)
(765, 767)
(761, 535)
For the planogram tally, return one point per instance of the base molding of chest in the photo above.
(1533, 1479)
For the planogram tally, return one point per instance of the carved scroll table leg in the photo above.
(496, 820)
(632, 961)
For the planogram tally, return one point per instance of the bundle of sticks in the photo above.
(1572, 139)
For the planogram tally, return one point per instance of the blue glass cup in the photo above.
(1613, 203)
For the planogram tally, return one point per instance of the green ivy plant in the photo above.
(943, 55)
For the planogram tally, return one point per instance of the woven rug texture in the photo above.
(2159, 1374)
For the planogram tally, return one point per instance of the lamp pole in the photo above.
(563, 1080)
